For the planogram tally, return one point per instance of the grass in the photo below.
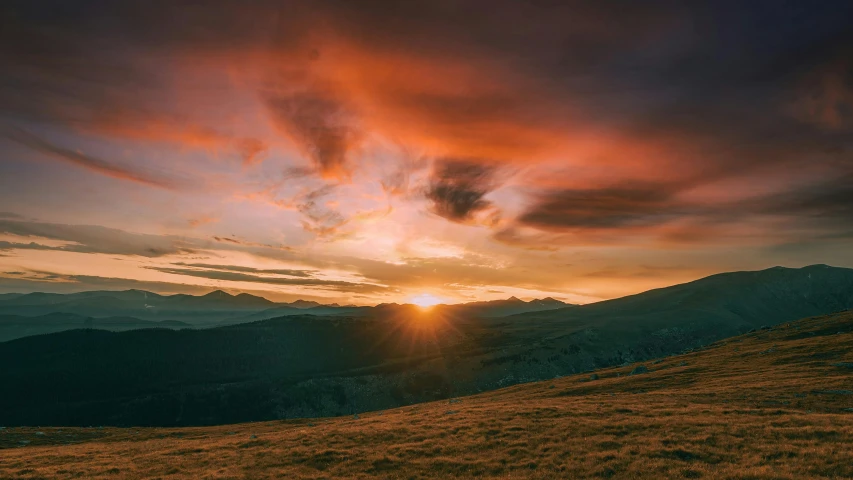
(772, 404)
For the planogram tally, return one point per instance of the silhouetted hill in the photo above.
(16, 326)
(288, 310)
(503, 308)
(225, 374)
(735, 301)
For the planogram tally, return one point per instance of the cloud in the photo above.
(4, 245)
(10, 216)
(665, 211)
(44, 281)
(663, 125)
(151, 127)
(97, 239)
(458, 187)
(447, 81)
(630, 205)
(238, 268)
(321, 127)
(829, 201)
(826, 97)
(231, 276)
(104, 240)
(202, 220)
(248, 244)
(103, 167)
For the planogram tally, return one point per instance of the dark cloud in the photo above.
(657, 66)
(227, 240)
(629, 205)
(237, 268)
(249, 245)
(44, 281)
(10, 216)
(458, 187)
(25, 246)
(819, 207)
(96, 239)
(94, 164)
(828, 202)
(321, 127)
(232, 276)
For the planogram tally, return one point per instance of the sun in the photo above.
(425, 300)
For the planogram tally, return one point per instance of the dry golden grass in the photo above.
(773, 404)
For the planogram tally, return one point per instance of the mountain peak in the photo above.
(217, 294)
(303, 304)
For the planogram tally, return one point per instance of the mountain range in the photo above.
(312, 365)
(132, 309)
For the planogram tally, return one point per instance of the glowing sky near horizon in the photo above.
(367, 152)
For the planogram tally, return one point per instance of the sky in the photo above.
(375, 151)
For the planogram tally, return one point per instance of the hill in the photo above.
(308, 366)
(772, 404)
(503, 308)
(16, 326)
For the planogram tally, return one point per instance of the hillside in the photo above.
(309, 366)
(773, 404)
(731, 300)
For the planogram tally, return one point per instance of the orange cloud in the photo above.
(607, 122)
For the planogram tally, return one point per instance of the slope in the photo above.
(773, 404)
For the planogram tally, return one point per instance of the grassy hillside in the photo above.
(773, 404)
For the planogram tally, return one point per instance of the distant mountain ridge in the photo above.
(16, 326)
(309, 365)
(216, 308)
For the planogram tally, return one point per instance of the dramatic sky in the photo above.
(365, 152)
